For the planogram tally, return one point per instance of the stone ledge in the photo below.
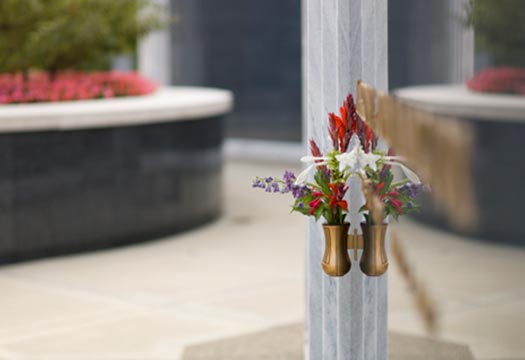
(165, 105)
(457, 100)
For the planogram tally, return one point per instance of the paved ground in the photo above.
(241, 274)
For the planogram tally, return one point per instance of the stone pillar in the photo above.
(343, 41)
(154, 54)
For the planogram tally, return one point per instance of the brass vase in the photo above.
(336, 261)
(373, 260)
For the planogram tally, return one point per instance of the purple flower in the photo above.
(286, 185)
(275, 187)
(299, 191)
(384, 171)
(300, 205)
(289, 177)
(410, 189)
(257, 183)
(327, 172)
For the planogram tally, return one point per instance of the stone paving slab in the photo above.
(239, 275)
(287, 342)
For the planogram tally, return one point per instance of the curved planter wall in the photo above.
(92, 174)
(499, 168)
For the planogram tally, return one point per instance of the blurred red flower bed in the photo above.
(499, 80)
(66, 86)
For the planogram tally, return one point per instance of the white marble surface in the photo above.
(457, 100)
(166, 104)
(343, 41)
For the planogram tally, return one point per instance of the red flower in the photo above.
(334, 200)
(337, 198)
(499, 80)
(341, 128)
(314, 149)
(379, 187)
(71, 86)
(397, 205)
(314, 205)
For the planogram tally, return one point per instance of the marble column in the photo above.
(154, 58)
(343, 41)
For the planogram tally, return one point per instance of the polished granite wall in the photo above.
(64, 191)
(428, 42)
(252, 48)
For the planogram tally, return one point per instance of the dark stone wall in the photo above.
(250, 47)
(419, 42)
(65, 191)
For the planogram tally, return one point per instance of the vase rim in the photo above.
(343, 224)
(365, 224)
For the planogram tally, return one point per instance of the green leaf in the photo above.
(318, 212)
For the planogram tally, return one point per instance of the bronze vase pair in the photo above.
(336, 261)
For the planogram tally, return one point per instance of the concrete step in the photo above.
(287, 343)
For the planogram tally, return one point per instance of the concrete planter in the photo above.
(91, 174)
(499, 169)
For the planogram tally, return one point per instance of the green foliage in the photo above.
(333, 214)
(71, 34)
(499, 26)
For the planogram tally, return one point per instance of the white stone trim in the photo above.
(457, 100)
(166, 104)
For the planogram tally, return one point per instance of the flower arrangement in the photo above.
(354, 152)
(40, 87)
(324, 197)
(388, 197)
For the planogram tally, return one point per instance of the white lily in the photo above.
(321, 160)
(411, 175)
(355, 162)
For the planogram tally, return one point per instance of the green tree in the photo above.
(499, 26)
(71, 34)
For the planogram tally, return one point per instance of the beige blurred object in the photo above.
(439, 148)
(374, 204)
(426, 306)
